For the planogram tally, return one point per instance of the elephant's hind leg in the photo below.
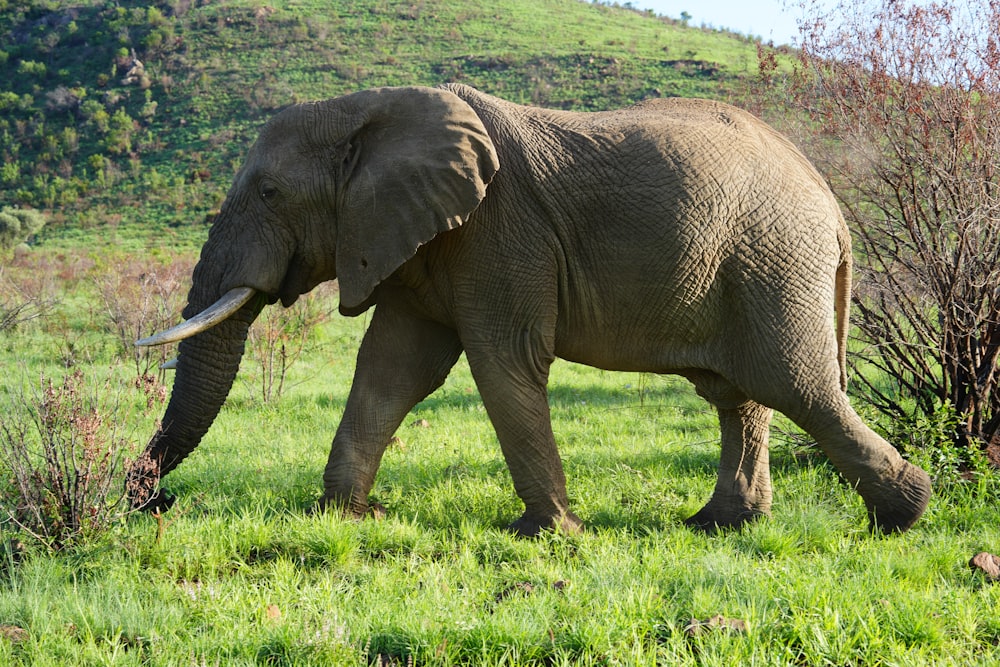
(743, 489)
(803, 383)
(895, 491)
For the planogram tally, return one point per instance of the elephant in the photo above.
(675, 236)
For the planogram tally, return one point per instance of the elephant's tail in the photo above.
(843, 309)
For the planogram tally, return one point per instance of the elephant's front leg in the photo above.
(743, 489)
(512, 379)
(402, 359)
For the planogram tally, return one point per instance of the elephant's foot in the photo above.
(350, 510)
(142, 485)
(532, 526)
(713, 517)
(158, 503)
(893, 507)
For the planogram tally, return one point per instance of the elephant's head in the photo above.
(347, 188)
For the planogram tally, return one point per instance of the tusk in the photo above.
(230, 302)
(169, 365)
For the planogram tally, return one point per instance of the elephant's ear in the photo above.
(417, 164)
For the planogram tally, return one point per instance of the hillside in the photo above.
(134, 116)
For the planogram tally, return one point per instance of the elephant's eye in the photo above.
(268, 192)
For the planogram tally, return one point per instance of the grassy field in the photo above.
(239, 572)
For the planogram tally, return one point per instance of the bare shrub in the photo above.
(279, 336)
(141, 297)
(18, 307)
(63, 456)
(903, 102)
(34, 284)
(23, 297)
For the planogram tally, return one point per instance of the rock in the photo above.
(714, 624)
(13, 634)
(986, 563)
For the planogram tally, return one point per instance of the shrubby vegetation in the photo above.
(64, 449)
(141, 296)
(280, 336)
(903, 104)
(116, 104)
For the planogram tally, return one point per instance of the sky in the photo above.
(767, 18)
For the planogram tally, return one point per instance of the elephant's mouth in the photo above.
(300, 277)
(291, 288)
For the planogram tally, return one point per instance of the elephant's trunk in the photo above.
(206, 368)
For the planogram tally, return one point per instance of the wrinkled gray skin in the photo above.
(676, 236)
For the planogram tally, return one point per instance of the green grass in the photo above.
(239, 572)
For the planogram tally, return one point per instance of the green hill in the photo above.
(134, 115)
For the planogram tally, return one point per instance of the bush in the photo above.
(32, 68)
(279, 336)
(17, 308)
(141, 298)
(903, 101)
(929, 441)
(63, 456)
(17, 225)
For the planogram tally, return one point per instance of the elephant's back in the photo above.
(697, 124)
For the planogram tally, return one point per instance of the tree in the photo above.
(904, 105)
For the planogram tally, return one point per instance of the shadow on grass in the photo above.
(405, 482)
(658, 391)
(480, 492)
